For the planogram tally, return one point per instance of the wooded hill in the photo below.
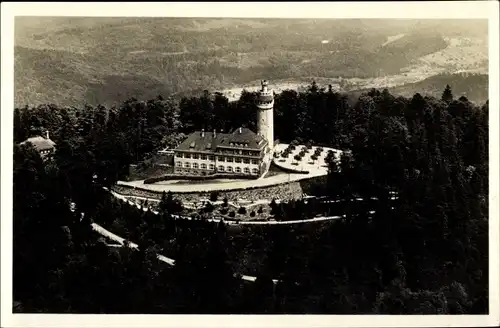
(428, 255)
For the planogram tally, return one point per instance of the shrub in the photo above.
(208, 208)
(223, 211)
(252, 214)
(225, 203)
(214, 195)
(297, 158)
(242, 210)
(260, 210)
(232, 214)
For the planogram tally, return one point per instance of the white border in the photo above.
(437, 10)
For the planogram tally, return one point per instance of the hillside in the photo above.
(472, 86)
(69, 61)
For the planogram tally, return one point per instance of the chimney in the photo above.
(240, 129)
(214, 134)
(47, 134)
(202, 133)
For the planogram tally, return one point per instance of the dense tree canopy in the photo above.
(425, 252)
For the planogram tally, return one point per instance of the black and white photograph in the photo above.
(200, 161)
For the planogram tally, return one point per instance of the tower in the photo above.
(265, 115)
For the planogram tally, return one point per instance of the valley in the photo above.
(73, 61)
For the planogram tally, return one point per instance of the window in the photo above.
(203, 157)
(237, 160)
(254, 161)
(195, 165)
(229, 159)
(246, 161)
(221, 158)
(179, 155)
(255, 171)
(247, 170)
(178, 164)
(196, 156)
(238, 169)
(211, 157)
(221, 168)
(212, 167)
(204, 166)
(187, 165)
(229, 169)
(187, 155)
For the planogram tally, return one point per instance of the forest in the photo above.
(424, 253)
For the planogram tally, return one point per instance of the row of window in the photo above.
(236, 160)
(238, 152)
(237, 169)
(220, 168)
(196, 156)
(211, 157)
(202, 166)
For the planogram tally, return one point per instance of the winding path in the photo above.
(123, 242)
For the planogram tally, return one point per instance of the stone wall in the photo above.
(284, 191)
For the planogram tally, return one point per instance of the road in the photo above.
(108, 234)
(228, 186)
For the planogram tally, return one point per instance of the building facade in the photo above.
(241, 152)
(44, 145)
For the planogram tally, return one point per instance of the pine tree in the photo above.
(447, 94)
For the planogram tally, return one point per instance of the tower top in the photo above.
(264, 84)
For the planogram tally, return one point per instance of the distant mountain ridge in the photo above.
(71, 61)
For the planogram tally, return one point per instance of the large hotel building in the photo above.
(241, 152)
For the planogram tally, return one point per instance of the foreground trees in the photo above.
(425, 252)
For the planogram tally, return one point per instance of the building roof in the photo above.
(241, 138)
(200, 141)
(40, 143)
